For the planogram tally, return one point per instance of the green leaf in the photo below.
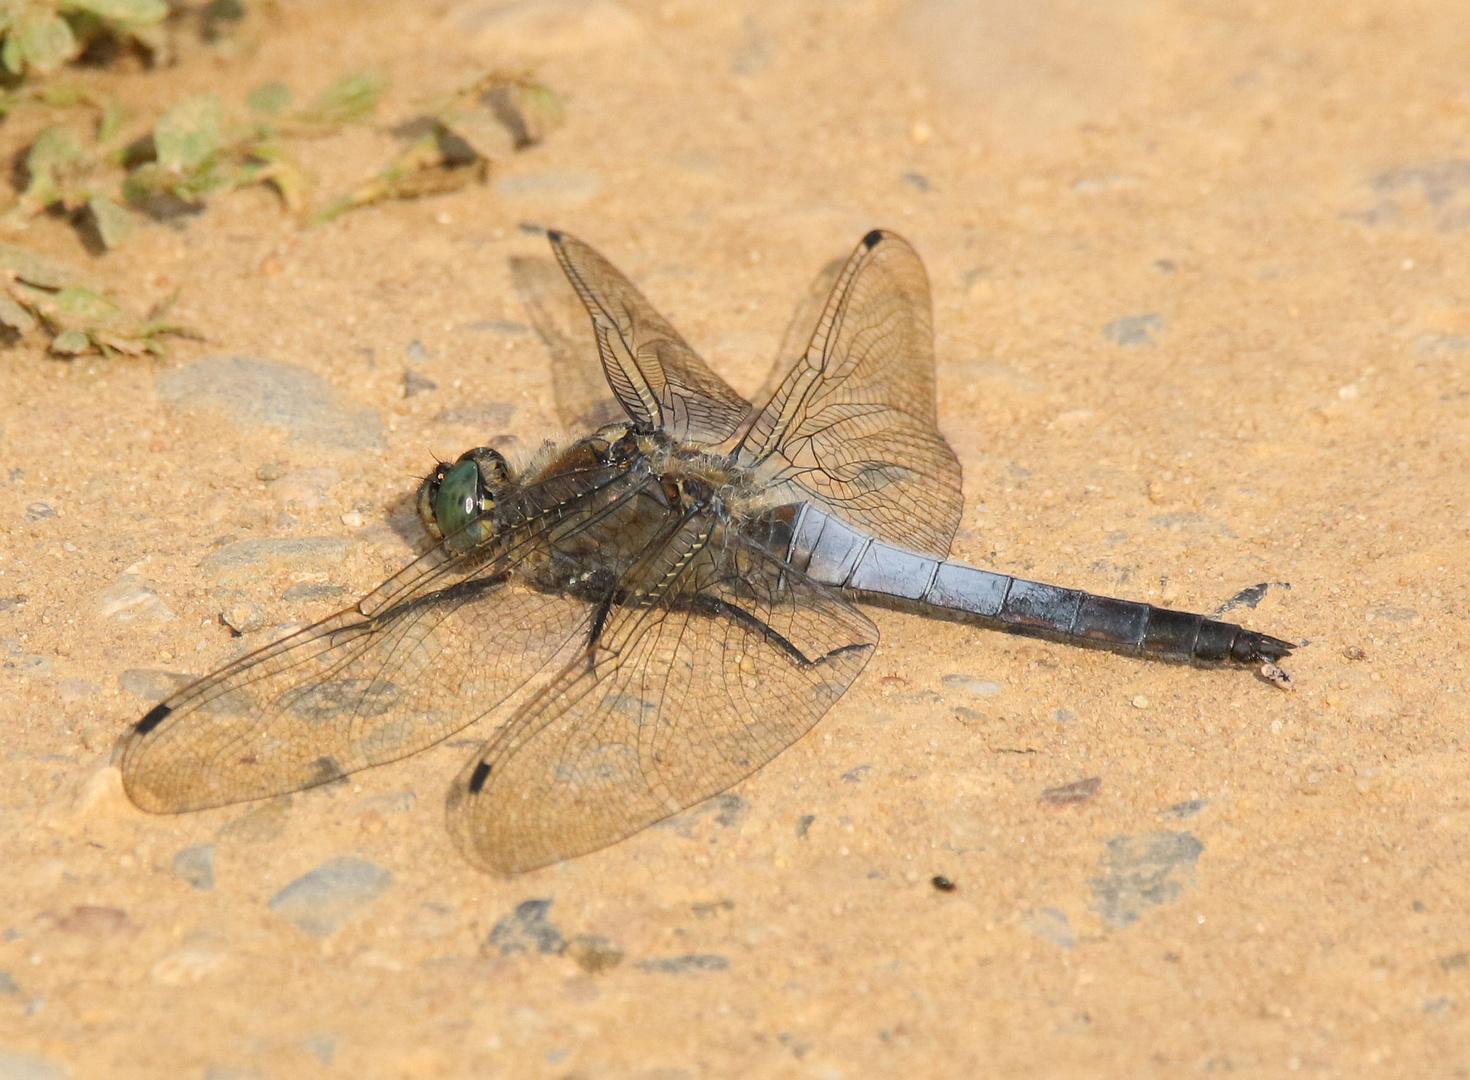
(349, 98)
(40, 271)
(114, 116)
(83, 307)
(142, 12)
(269, 98)
(187, 135)
(15, 316)
(71, 343)
(42, 40)
(53, 146)
(113, 222)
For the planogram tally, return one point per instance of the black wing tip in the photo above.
(156, 716)
(871, 240)
(479, 776)
(554, 235)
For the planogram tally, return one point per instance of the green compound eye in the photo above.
(458, 500)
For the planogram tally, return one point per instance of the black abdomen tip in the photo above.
(871, 240)
(155, 717)
(479, 776)
(1266, 647)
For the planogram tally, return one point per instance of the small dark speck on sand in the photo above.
(942, 883)
(681, 965)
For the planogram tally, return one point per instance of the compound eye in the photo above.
(428, 493)
(494, 472)
(457, 502)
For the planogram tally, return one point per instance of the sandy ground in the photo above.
(1202, 299)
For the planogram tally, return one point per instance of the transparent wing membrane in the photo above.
(660, 380)
(853, 424)
(690, 688)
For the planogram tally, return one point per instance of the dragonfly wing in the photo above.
(689, 689)
(799, 330)
(433, 649)
(660, 381)
(583, 399)
(853, 425)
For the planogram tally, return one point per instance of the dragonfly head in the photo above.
(457, 493)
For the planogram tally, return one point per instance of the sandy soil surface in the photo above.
(1202, 298)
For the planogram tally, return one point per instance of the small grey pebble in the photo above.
(195, 864)
(272, 470)
(1134, 329)
(151, 683)
(307, 591)
(244, 618)
(39, 510)
(415, 383)
(971, 684)
(681, 965)
(320, 899)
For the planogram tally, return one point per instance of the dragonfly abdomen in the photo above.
(834, 553)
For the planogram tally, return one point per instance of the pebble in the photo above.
(416, 383)
(303, 489)
(94, 920)
(1190, 522)
(246, 561)
(130, 598)
(244, 618)
(73, 690)
(195, 864)
(307, 591)
(594, 954)
(1078, 791)
(15, 1065)
(38, 511)
(971, 684)
(1139, 874)
(320, 899)
(1134, 329)
(526, 930)
(1051, 924)
(324, 1047)
(153, 684)
(683, 965)
(253, 391)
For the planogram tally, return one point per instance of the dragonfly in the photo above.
(662, 607)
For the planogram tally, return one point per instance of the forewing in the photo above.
(660, 381)
(853, 425)
(583, 399)
(687, 692)
(799, 330)
(434, 648)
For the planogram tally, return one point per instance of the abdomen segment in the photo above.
(834, 553)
